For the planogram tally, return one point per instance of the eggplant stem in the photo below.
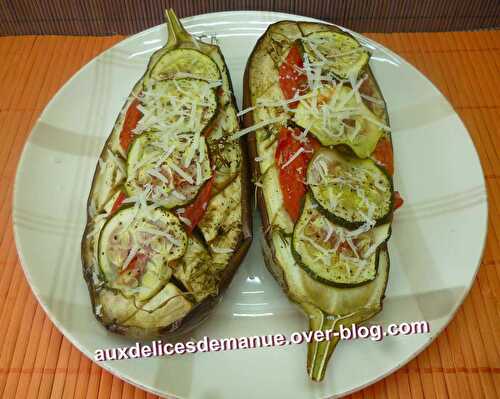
(176, 32)
(319, 352)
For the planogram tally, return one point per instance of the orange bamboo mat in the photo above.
(464, 361)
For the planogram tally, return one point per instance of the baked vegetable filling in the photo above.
(170, 170)
(351, 191)
(338, 53)
(332, 254)
(336, 115)
(177, 106)
(137, 248)
(184, 62)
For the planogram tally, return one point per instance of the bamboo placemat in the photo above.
(464, 361)
(98, 17)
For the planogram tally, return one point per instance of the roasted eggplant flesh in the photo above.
(316, 118)
(168, 220)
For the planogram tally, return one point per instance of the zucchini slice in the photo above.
(135, 250)
(337, 115)
(178, 106)
(351, 191)
(341, 53)
(171, 169)
(184, 61)
(333, 255)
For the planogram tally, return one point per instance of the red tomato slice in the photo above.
(195, 211)
(292, 173)
(118, 202)
(383, 155)
(132, 116)
(134, 267)
(131, 265)
(290, 79)
(398, 200)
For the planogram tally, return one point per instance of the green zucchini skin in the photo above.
(354, 225)
(207, 71)
(342, 36)
(199, 311)
(362, 144)
(218, 104)
(350, 224)
(112, 275)
(138, 146)
(309, 269)
(325, 281)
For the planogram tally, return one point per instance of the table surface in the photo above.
(464, 361)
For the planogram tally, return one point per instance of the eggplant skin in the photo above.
(200, 311)
(282, 28)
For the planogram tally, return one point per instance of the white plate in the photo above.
(435, 249)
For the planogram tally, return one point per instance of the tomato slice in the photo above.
(398, 200)
(118, 202)
(383, 155)
(136, 265)
(292, 80)
(131, 265)
(292, 172)
(195, 211)
(132, 117)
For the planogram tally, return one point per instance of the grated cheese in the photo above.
(156, 173)
(181, 172)
(259, 125)
(160, 233)
(293, 157)
(185, 220)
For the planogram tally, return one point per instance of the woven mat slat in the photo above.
(464, 361)
(90, 17)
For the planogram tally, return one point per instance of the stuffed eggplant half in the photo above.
(168, 213)
(320, 145)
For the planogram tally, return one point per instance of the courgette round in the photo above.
(185, 61)
(174, 168)
(178, 106)
(136, 247)
(341, 53)
(336, 117)
(333, 255)
(350, 191)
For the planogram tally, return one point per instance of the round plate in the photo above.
(436, 245)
